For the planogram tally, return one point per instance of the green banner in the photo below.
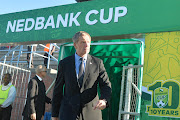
(99, 18)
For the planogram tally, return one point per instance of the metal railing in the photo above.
(130, 96)
(14, 55)
(50, 57)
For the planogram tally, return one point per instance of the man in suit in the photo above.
(36, 96)
(79, 75)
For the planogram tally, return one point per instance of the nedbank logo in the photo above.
(67, 20)
(165, 99)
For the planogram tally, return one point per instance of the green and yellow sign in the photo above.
(161, 77)
(164, 99)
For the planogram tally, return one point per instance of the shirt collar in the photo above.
(77, 57)
(6, 87)
(9, 84)
(39, 77)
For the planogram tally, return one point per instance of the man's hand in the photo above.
(33, 116)
(101, 104)
(54, 118)
(48, 100)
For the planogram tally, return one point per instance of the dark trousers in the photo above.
(29, 55)
(46, 59)
(5, 113)
(26, 118)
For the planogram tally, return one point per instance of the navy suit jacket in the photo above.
(69, 100)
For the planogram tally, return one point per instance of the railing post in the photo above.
(121, 94)
(30, 57)
(49, 54)
(2, 71)
(5, 59)
(12, 57)
(20, 51)
(128, 93)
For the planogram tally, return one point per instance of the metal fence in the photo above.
(20, 79)
(130, 96)
(18, 55)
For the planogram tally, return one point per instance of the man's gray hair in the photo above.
(78, 34)
(40, 68)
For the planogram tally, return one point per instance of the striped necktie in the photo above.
(81, 72)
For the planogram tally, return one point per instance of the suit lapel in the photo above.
(74, 76)
(87, 69)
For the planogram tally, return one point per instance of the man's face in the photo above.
(83, 45)
(43, 73)
(6, 79)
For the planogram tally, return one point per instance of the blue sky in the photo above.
(10, 6)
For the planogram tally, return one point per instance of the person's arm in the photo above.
(48, 100)
(105, 88)
(11, 97)
(53, 49)
(58, 92)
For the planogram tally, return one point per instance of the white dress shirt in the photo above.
(40, 79)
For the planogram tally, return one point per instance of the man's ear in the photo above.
(75, 45)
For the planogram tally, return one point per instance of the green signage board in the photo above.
(99, 18)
